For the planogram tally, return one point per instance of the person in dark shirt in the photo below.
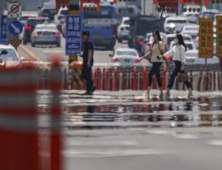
(87, 63)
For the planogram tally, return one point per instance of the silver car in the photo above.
(171, 23)
(193, 30)
(46, 34)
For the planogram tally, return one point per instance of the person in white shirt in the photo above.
(178, 53)
(156, 50)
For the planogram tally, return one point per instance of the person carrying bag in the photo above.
(156, 51)
(178, 53)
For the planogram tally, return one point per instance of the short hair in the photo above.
(85, 33)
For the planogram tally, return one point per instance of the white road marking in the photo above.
(112, 153)
(215, 142)
(186, 136)
(101, 143)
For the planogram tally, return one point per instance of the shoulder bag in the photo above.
(183, 76)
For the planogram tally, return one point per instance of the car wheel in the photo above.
(33, 44)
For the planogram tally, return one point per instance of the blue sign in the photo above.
(73, 34)
(15, 27)
(4, 30)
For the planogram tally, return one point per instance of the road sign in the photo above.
(73, 34)
(14, 9)
(15, 27)
(205, 38)
(4, 30)
(15, 42)
(219, 35)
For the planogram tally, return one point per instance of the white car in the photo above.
(171, 23)
(59, 19)
(189, 44)
(191, 55)
(126, 57)
(193, 30)
(171, 37)
(9, 55)
(122, 33)
(145, 43)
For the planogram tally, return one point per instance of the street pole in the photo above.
(74, 9)
(2, 2)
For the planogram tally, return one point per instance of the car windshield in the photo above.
(64, 12)
(209, 14)
(176, 22)
(34, 22)
(104, 12)
(131, 53)
(191, 28)
(10, 56)
(126, 22)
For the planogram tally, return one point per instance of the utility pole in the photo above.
(74, 9)
(2, 7)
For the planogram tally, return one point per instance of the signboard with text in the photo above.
(205, 38)
(219, 35)
(73, 35)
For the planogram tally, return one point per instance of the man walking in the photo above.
(87, 63)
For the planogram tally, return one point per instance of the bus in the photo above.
(101, 25)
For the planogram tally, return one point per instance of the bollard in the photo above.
(200, 78)
(154, 82)
(107, 79)
(104, 79)
(99, 81)
(214, 80)
(140, 78)
(124, 78)
(110, 79)
(134, 78)
(206, 80)
(144, 78)
(116, 79)
(210, 81)
(218, 80)
(55, 87)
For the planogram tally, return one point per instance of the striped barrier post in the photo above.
(200, 78)
(210, 81)
(214, 80)
(99, 81)
(107, 79)
(104, 79)
(206, 80)
(218, 80)
(116, 79)
(55, 87)
(140, 78)
(110, 79)
(144, 78)
(134, 78)
(154, 82)
(124, 78)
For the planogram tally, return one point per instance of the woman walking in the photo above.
(156, 51)
(178, 53)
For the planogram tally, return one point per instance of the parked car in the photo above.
(171, 23)
(9, 55)
(59, 19)
(48, 9)
(209, 13)
(30, 26)
(193, 30)
(189, 44)
(46, 34)
(126, 57)
(122, 33)
(171, 37)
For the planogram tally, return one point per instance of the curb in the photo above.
(32, 55)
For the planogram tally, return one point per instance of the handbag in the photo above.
(183, 76)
